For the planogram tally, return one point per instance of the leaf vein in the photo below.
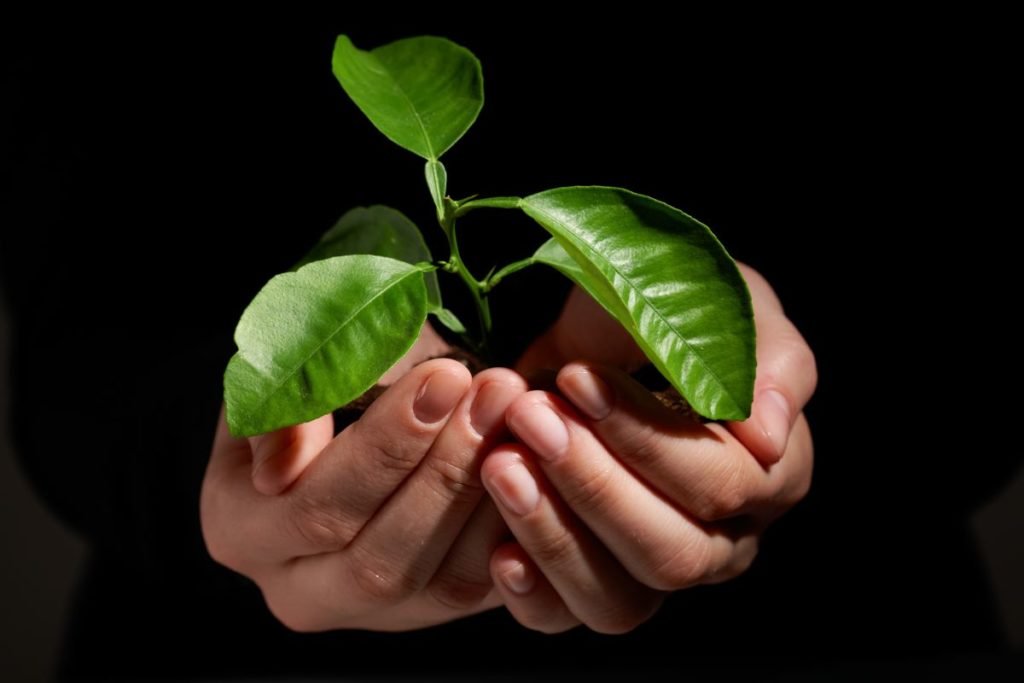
(580, 241)
(408, 102)
(300, 365)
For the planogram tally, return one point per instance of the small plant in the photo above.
(316, 338)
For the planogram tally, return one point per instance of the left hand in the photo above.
(615, 500)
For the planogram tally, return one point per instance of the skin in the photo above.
(455, 494)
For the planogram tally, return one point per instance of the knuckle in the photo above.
(320, 525)
(550, 628)
(547, 622)
(728, 492)
(624, 616)
(382, 445)
(458, 593)
(557, 550)
(740, 562)
(797, 492)
(291, 619)
(796, 359)
(795, 486)
(642, 446)
(802, 489)
(805, 359)
(220, 543)
(590, 491)
(685, 567)
(223, 552)
(382, 582)
(291, 616)
(454, 481)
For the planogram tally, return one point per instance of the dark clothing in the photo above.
(159, 176)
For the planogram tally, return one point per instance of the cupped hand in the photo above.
(384, 526)
(615, 500)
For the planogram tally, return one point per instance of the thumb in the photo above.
(281, 456)
(786, 376)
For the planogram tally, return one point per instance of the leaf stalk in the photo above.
(455, 264)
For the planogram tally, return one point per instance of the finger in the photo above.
(227, 494)
(527, 594)
(363, 466)
(464, 578)
(401, 548)
(279, 457)
(428, 345)
(791, 477)
(702, 468)
(321, 592)
(786, 375)
(659, 544)
(336, 493)
(243, 529)
(594, 586)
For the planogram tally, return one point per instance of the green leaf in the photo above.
(378, 230)
(437, 181)
(667, 279)
(315, 339)
(423, 93)
(552, 254)
(449, 320)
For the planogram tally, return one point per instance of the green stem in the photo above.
(476, 290)
(487, 202)
(457, 265)
(447, 214)
(514, 267)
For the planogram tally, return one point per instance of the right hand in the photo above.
(385, 526)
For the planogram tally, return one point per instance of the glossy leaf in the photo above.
(381, 231)
(423, 93)
(317, 338)
(552, 254)
(667, 279)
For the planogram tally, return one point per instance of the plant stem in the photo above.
(487, 202)
(457, 265)
(478, 289)
(514, 267)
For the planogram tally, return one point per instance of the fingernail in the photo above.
(589, 393)
(438, 396)
(541, 429)
(515, 489)
(518, 578)
(488, 409)
(773, 415)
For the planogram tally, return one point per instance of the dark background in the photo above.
(158, 174)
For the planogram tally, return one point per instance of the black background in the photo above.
(162, 168)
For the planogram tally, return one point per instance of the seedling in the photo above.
(317, 337)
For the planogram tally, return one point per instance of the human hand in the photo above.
(383, 527)
(616, 500)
